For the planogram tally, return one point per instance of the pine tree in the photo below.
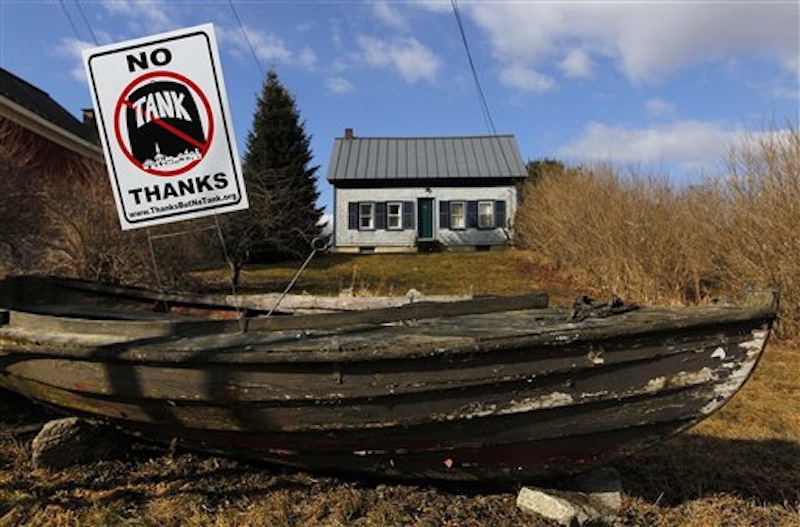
(282, 219)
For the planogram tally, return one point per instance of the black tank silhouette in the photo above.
(172, 103)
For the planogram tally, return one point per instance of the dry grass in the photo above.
(639, 237)
(739, 468)
(481, 273)
(628, 236)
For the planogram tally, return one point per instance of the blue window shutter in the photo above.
(352, 215)
(380, 215)
(500, 213)
(444, 214)
(472, 214)
(408, 214)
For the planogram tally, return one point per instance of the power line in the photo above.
(72, 22)
(247, 38)
(86, 21)
(487, 116)
(69, 17)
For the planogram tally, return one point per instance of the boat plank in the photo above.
(480, 389)
(285, 382)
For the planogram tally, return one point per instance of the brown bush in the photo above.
(641, 238)
(626, 235)
(756, 228)
(58, 217)
(84, 239)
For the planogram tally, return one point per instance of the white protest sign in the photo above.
(165, 126)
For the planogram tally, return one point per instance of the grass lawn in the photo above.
(478, 273)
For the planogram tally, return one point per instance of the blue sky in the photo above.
(664, 86)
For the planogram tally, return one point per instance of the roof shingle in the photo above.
(39, 102)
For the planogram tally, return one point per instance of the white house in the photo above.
(402, 194)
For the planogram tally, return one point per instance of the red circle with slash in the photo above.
(158, 166)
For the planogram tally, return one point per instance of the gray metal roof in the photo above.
(371, 158)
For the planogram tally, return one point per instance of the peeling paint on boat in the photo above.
(551, 400)
(740, 371)
(680, 380)
(596, 357)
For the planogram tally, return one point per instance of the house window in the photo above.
(458, 215)
(486, 214)
(394, 215)
(366, 216)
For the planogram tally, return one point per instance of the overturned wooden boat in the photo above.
(483, 389)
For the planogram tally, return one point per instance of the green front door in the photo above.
(425, 218)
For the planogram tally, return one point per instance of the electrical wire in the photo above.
(247, 38)
(487, 116)
(69, 17)
(86, 22)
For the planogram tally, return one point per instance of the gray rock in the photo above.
(594, 498)
(70, 441)
(546, 504)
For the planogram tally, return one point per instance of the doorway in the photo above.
(425, 218)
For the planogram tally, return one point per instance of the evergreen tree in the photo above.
(283, 215)
(539, 168)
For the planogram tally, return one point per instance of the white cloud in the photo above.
(692, 145)
(306, 58)
(339, 85)
(326, 221)
(660, 107)
(144, 16)
(71, 49)
(267, 47)
(526, 79)
(646, 40)
(577, 64)
(412, 60)
(384, 12)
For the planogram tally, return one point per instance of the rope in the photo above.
(317, 245)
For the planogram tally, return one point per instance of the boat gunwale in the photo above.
(249, 347)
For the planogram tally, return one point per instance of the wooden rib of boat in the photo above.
(483, 389)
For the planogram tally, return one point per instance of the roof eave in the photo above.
(44, 128)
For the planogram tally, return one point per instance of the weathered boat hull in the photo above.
(520, 394)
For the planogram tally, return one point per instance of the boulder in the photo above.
(71, 441)
(593, 498)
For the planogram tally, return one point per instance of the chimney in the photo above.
(90, 123)
(348, 134)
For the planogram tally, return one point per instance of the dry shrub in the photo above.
(69, 226)
(85, 240)
(625, 235)
(58, 217)
(643, 239)
(755, 228)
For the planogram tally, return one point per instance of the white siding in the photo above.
(352, 239)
